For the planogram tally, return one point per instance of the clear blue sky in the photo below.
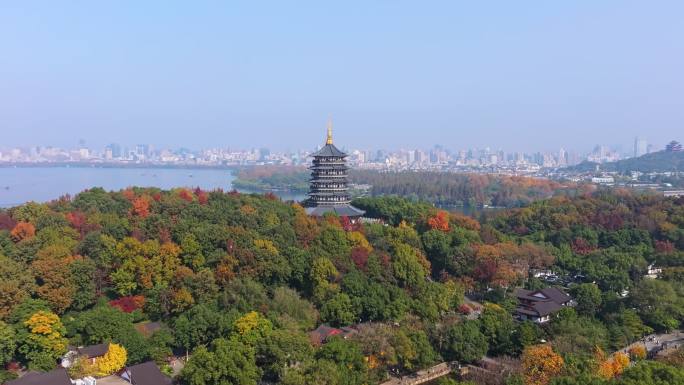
(517, 75)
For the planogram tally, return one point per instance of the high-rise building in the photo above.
(115, 150)
(142, 151)
(328, 190)
(264, 153)
(562, 157)
(640, 147)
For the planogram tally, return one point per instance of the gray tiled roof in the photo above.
(329, 150)
(550, 301)
(341, 210)
(54, 377)
(146, 373)
(93, 351)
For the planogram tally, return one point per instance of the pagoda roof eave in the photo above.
(329, 150)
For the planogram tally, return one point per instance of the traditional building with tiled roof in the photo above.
(322, 333)
(54, 377)
(539, 305)
(146, 373)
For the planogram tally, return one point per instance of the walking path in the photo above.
(655, 343)
(423, 376)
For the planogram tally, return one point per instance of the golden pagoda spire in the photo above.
(329, 140)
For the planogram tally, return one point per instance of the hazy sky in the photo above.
(517, 75)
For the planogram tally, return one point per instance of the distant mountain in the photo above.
(660, 161)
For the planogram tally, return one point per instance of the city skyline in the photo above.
(436, 157)
(629, 147)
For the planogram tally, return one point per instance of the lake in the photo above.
(41, 184)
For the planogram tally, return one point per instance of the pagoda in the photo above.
(328, 190)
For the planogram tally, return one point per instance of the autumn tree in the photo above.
(141, 207)
(16, 284)
(620, 363)
(540, 364)
(41, 340)
(323, 275)
(112, 361)
(144, 264)
(22, 231)
(52, 269)
(252, 328)
(106, 323)
(439, 221)
(191, 252)
(637, 352)
(408, 267)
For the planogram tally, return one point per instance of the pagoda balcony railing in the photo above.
(327, 173)
(333, 201)
(331, 161)
(341, 203)
(329, 186)
(340, 166)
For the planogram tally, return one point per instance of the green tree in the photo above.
(8, 343)
(437, 244)
(192, 252)
(229, 362)
(104, 323)
(465, 342)
(252, 328)
(323, 273)
(201, 324)
(160, 345)
(658, 304)
(348, 357)
(316, 372)
(527, 333)
(497, 325)
(338, 310)
(406, 266)
(281, 350)
(588, 297)
(651, 373)
(287, 303)
(83, 280)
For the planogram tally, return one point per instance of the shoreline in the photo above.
(120, 165)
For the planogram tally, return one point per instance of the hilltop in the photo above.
(248, 289)
(661, 161)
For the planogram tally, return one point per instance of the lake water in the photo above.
(22, 184)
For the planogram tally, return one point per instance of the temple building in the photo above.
(328, 190)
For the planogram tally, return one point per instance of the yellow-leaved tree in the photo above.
(46, 336)
(540, 364)
(252, 327)
(112, 361)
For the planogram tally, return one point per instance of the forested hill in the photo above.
(460, 189)
(661, 161)
(440, 188)
(238, 283)
(264, 178)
